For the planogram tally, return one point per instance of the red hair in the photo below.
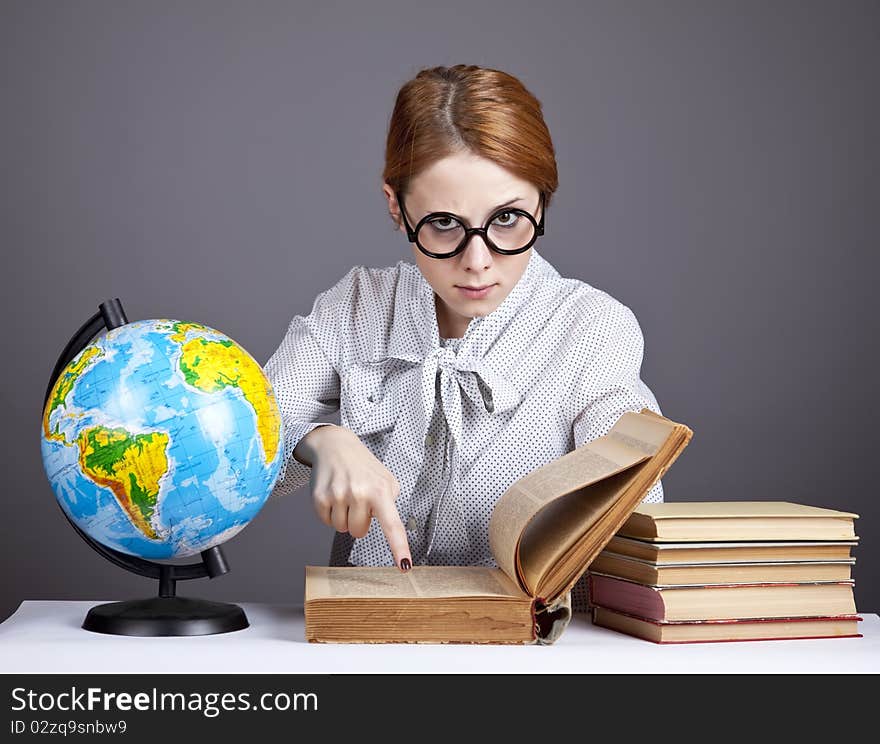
(445, 110)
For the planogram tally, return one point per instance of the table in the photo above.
(44, 636)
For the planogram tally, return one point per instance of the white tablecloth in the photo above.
(46, 637)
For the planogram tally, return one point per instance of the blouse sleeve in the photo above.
(306, 381)
(612, 381)
(611, 386)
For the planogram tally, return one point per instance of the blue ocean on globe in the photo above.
(162, 438)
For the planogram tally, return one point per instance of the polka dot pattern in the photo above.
(552, 367)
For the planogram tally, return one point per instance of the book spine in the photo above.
(551, 620)
(536, 630)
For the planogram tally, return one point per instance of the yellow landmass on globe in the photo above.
(63, 385)
(181, 328)
(213, 365)
(130, 465)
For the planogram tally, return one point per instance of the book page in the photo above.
(559, 576)
(645, 431)
(460, 581)
(389, 582)
(556, 528)
(342, 581)
(633, 439)
(568, 525)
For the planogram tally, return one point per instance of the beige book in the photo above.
(543, 533)
(737, 520)
(646, 572)
(731, 552)
(699, 631)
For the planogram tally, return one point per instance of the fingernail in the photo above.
(405, 565)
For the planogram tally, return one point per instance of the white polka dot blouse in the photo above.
(456, 420)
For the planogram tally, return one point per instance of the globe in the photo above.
(162, 438)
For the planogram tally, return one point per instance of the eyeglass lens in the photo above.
(508, 231)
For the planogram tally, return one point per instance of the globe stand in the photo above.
(166, 614)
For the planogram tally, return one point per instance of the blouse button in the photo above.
(429, 439)
(411, 523)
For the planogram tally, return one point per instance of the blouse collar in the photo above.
(415, 313)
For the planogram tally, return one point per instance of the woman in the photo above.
(458, 375)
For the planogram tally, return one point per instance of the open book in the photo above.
(544, 531)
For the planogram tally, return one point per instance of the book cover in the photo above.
(739, 572)
(731, 551)
(723, 601)
(737, 520)
(722, 631)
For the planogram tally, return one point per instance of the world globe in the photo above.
(161, 438)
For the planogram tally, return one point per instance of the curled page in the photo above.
(548, 525)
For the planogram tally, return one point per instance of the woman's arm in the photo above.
(611, 382)
(349, 485)
(306, 387)
(611, 385)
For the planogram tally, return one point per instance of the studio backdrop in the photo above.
(220, 162)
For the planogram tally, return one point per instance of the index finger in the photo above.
(389, 521)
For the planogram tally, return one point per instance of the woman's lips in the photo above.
(475, 294)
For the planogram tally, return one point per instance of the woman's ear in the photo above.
(393, 206)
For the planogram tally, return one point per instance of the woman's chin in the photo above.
(475, 308)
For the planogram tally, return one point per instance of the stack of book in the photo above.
(728, 571)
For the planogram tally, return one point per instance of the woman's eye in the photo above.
(506, 219)
(443, 224)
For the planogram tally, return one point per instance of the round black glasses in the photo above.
(443, 235)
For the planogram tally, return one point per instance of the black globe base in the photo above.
(165, 616)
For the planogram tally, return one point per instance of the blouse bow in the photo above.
(415, 378)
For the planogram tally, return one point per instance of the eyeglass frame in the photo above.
(411, 233)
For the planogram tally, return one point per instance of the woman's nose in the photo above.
(476, 254)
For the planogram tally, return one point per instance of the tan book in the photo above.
(646, 572)
(543, 533)
(731, 552)
(722, 601)
(704, 631)
(737, 520)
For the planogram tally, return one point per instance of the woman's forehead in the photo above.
(462, 182)
(461, 176)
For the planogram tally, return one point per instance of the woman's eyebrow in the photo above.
(506, 204)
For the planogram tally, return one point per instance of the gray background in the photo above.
(220, 162)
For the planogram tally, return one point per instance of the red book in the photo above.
(723, 601)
